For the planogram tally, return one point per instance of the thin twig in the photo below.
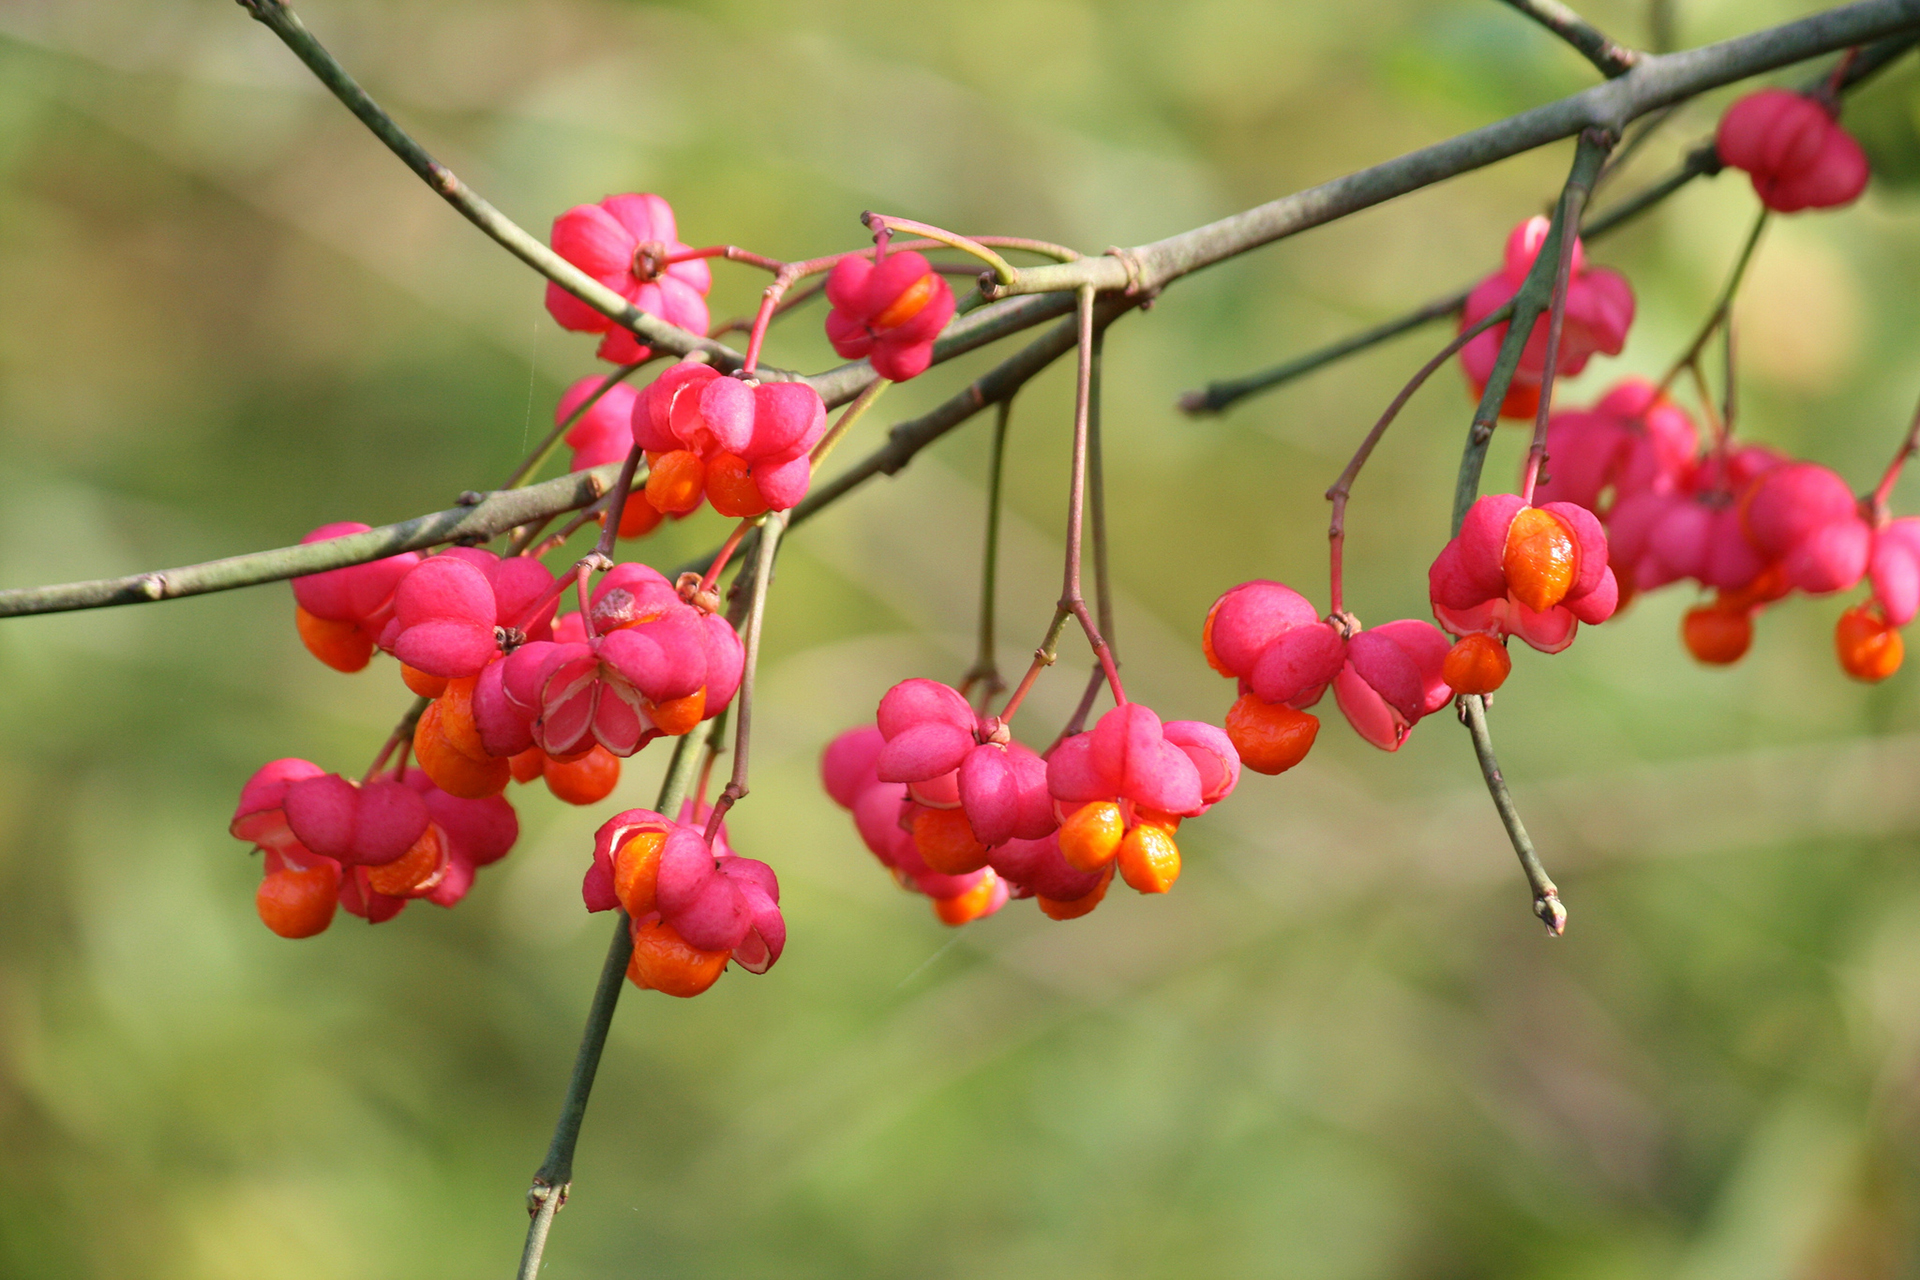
(1653, 83)
(1071, 597)
(736, 788)
(555, 1175)
(1342, 488)
(850, 415)
(1219, 395)
(985, 670)
(1097, 498)
(1723, 305)
(1546, 897)
(280, 18)
(1102, 583)
(1729, 377)
(617, 503)
(534, 460)
(402, 732)
(1883, 492)
(1609, 58)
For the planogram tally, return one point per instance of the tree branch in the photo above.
(1654, 82)
(278, 17)
(1609, 58)
(490, 516)
(1702, 161)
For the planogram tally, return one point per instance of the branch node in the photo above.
(1137, 286)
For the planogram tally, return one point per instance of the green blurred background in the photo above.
(1341, 1048)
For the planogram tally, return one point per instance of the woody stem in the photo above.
(1546, 897)
(1573, 200)
(555, 1175)
(1043, 657)
(1529, 303)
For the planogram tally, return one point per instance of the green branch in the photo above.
(488, 516)
(555, 1175)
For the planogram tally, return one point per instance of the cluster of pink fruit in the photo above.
(959, 811)
(1743, 521)
(514, 694)
(1514, 570)
(939, 791)
(1630, 504)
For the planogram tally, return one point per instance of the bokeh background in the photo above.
(1341, 1048)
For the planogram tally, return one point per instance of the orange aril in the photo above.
(1476, 664)
(416, 871)
(663, 961)
(911, 302)
(636, 872)
(1206, 640)
(946, 842)
(452, 770)
(1090, 837)
(427, 686)
(1271, 737)
(586, 780)
(968, 906)
(299, 903)
(731, 490)
(341, 645)
(1716, 634)
(677, 480)
(1540, 559)
(1167, 822)
(528, 765)
(1074, 908)
(1149, 859)
(456, 718)
(678, 715)
(1869, 648)
(639, 517)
